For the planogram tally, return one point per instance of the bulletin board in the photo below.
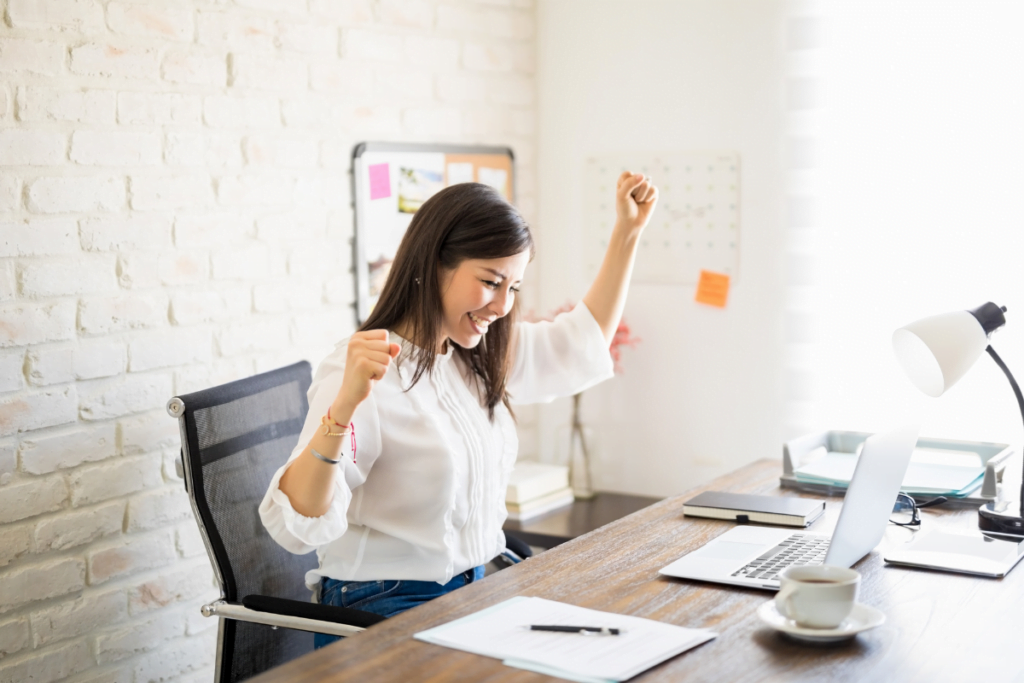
(391, 181)
(696, 225)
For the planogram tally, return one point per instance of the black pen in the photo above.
(585, 630)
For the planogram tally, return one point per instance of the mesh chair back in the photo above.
(236, 436)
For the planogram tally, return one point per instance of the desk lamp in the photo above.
(935, 353)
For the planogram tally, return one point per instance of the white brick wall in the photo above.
(171, 177)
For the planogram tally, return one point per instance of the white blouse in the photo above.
(423, 498)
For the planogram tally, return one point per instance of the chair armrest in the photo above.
(234, 611)
(518, 546)
(311, 610)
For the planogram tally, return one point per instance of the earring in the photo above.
(416, 280)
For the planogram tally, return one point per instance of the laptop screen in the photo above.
(870, 497)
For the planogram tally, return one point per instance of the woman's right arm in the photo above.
(309, 482)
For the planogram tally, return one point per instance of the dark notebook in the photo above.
(745, 507)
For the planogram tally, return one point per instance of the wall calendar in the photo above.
(696, 225)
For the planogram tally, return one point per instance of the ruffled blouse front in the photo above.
(422, 497)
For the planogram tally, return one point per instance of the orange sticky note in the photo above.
(712, 288)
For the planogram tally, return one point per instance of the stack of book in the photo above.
(535, 488)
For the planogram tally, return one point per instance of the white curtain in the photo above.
(906, 200)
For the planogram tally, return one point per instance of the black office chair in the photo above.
(233, 438)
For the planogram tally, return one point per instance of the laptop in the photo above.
(754, 556)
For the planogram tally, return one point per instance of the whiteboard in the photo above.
(696, 225)
(390, 182)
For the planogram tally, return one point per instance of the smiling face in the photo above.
(476, 293)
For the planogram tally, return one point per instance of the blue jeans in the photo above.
(386, 598)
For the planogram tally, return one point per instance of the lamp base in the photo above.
(1002, 517)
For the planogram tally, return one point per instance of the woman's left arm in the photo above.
(635, 199)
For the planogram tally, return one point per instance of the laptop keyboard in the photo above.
(797, 549)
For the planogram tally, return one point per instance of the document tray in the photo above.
(798, 452)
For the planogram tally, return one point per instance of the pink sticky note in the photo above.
(380, 181)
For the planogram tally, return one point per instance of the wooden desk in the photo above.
(582, 517)
(941, 626)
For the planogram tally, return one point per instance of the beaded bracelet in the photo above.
(327, 422)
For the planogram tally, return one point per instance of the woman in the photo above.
(398, 479)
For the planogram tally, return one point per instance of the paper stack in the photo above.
(923, 478)
(503, 632)
(535, 488)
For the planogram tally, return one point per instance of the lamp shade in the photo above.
(936, 352)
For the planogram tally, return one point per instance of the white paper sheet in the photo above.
(502, 632)
(460, 173)
(495, 177)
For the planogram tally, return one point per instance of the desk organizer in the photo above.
(993, 455)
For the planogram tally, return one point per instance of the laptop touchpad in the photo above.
(728, 550)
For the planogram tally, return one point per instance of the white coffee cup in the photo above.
(817, 596)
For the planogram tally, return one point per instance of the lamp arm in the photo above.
(1017, 392)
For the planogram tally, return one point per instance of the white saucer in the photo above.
(862, 618)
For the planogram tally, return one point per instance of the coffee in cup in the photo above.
(817, 596)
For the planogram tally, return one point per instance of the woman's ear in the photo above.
(444, 278)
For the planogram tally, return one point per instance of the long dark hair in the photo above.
(464, 221)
